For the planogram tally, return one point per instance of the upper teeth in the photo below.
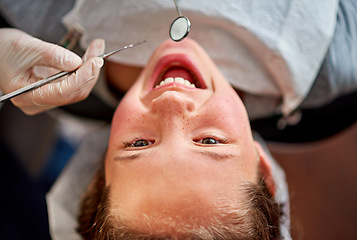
(178, 80)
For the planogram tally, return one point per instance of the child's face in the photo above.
(177, 150)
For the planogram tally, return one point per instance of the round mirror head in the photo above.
(180, 28)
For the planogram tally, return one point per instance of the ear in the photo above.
(265, 168)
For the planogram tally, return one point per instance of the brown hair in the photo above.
(261, 220)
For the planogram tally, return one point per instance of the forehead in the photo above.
(178, 174)
(168, 211)
(172, 212)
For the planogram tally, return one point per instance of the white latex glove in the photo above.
(21, 54)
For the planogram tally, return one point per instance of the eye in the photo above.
(209, 141)
(212, 140)
(138, 143)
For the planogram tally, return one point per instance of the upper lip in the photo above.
(180, 60)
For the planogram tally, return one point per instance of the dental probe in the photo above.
(180, 27)
(58, 75)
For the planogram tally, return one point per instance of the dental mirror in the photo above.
(180, 27)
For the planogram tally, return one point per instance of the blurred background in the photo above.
(323, 186)
(319, 156)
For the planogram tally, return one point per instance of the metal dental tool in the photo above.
(58, 75)
(180, 27)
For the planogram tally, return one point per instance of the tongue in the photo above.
(178, 72)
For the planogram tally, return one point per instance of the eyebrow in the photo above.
(211, 154)
(129, 156)
(217, 155)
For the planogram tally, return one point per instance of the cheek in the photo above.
(231, 103)
(228, 111)
(127, 113)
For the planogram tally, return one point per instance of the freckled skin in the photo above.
(174, 175)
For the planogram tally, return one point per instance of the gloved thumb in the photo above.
(94, 49)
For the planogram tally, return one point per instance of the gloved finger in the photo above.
(96, 48)
(73, 88)
(41, 72)
(57, 57)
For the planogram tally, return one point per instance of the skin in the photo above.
(175, 174)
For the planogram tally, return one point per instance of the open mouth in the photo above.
(180, 75)
(177, 70)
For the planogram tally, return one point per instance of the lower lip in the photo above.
(181, 60)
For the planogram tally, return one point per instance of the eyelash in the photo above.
(223, 140)
(127, 144)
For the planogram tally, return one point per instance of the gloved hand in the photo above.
(22, 54)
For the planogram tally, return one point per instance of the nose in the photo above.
(172, 103)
